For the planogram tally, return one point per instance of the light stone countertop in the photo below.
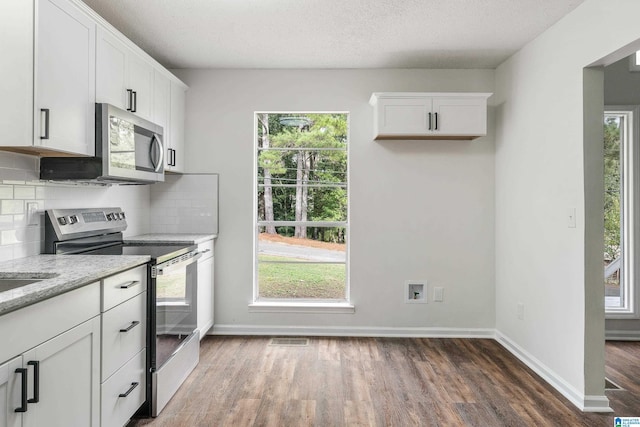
(60, 274)
(166, 238)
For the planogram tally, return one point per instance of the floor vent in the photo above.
(290, 342)
(610, 385)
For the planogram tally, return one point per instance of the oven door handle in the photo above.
(160, 269)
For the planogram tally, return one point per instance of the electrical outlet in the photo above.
(438, 294)
(520, 311)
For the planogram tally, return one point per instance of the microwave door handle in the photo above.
(156, 140)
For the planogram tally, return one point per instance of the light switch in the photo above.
(571, 217)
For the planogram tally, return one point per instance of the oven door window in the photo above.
(171, 287)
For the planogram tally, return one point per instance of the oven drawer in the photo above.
(122, 286)
(123, 333)
(120, 397)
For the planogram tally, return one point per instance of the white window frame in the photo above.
(272, 305)
(629, 211)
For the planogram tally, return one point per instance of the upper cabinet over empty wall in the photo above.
(421, 115)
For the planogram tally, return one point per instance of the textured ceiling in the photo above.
(332, 33)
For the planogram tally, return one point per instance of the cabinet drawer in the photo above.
(116, 409)
(122, 286)
(123, 333)
(206, 248)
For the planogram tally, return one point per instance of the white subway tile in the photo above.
(8, 237)
(6, 191)
(24, 192)
(8, 207)
(6, 222)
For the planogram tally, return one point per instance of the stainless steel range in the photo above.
(172, 338)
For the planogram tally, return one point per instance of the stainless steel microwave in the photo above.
(129, 149)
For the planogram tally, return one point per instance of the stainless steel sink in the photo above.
(17, 280)
(8, 284)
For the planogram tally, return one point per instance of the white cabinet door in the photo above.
(403, 115)
(112, 70)
(16, 72)
(10, 393)
(65, 78)
(69, 379)
(178, 98)
(205, 295)
(460, 116)
(141, 83)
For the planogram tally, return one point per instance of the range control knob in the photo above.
(123, 217)
(73, 219)
(62, 220)
(110, 217)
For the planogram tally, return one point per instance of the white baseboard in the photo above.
(583, 402)
(340, 331)
(622, 335)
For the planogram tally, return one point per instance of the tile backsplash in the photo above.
(185, 203)
(20, 186)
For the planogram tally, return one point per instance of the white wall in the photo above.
(547, 162)
(19, 185)
(418, 209)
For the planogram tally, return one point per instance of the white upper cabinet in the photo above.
(123, 78)
(168, 112)
(61, 58)
(48, 91)
(176, 134)
(413, 115)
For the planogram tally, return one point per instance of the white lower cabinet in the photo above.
(124, 314)
(124, 392)
(205, 288)
(62, 381)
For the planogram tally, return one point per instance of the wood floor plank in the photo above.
(246, 381)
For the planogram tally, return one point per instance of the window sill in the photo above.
(302, 307)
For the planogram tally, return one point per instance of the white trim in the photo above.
(586, 403)
(618, 335)
(354, 331)
(629, 210)
(301, 307)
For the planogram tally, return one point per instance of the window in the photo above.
(620, 209)
(301, 207)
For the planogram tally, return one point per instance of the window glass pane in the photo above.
(301, 177)
(315, 167)
(613, 135)
(301, 280)
(322, 204)
(323, 244)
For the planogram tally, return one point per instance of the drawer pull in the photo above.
(131, 326)
(130, 284)
(126, 393)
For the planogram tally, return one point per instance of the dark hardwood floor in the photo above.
(244, 381)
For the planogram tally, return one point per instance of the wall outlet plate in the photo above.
(415, 291)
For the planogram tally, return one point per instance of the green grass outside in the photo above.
(300, 280)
